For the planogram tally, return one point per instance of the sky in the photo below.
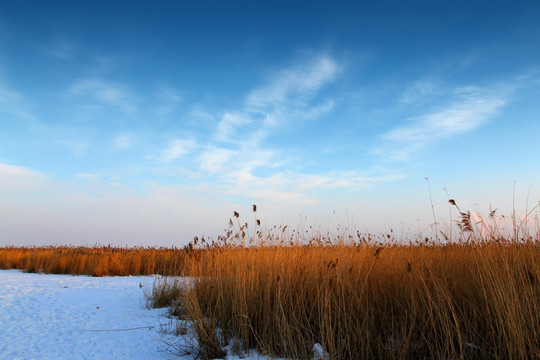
(146, 123)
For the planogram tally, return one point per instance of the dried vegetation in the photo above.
(470, 293)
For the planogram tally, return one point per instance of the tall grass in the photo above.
(394, 302)
(95, 261)
(367, 297)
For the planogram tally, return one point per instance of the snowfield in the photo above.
(78, 317)
(65, 317)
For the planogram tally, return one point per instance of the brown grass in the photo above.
(395, 302)
(96, 261)
(368, 297)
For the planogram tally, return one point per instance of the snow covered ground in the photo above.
(64, 317)
(78, 317)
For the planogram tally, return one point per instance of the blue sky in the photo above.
(147, 123)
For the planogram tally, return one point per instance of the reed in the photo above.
(95, 261)
(367, 297)
(395, 302)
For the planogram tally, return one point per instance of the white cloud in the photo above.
(14, 103)
(169, 94)
(214, 159)
(168, 99)
(39, 210)
(108, 93)
(199, 115)
(176, 149)
(301, 182)
(86, 176)
(244, 164)
(8, 96)
(19, 177)
(76, 146)
(294, 84)
(343, 180)
(472, 108)
(288, 98)
(122, 141)
(285, 99)
(292, 191)
(228, 124)
(420, 90)
(290, 199)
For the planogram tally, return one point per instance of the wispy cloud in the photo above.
(76, 146)
(420, 90)
(87, 176)
(295, 85)
(470, 108)
(14, 104)
(295, 189)
(108, 93)
(286, 98)
(229, 123)
(252, 170)
(168, 100)
(214, 159)
(176, 149)
(199, 115)
(122, 141)
(61, 49)
(19, 177)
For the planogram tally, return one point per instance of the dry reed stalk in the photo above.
(408, 302)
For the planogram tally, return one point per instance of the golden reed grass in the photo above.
(95, 261)
(395, 302)
(365, 296)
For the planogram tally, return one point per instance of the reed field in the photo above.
(469, 293)
(472, 292)
(393, 302)
(95, 261)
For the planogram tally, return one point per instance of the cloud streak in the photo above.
(76, 146)
(294, 86)
(19, 177)
(107, 93)
(285, 99)
(122, 142)
(168, 99)
(293, 190)
(176, 149)
(238, 152)
(14, 104)
(472, 108)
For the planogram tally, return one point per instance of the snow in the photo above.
(80, 317)
(71, 317)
